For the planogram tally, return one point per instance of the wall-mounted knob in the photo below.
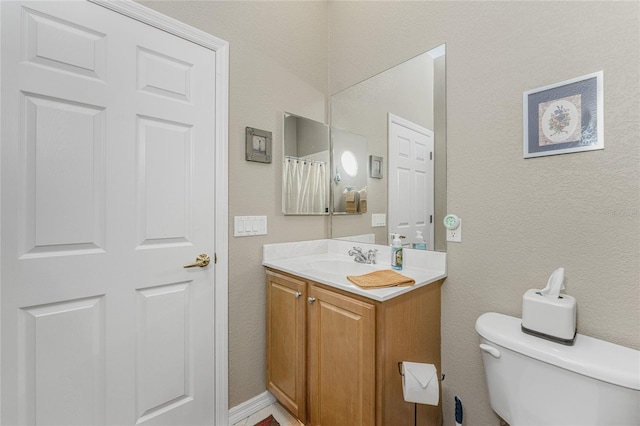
(311, 299)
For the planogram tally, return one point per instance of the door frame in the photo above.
(221, 270)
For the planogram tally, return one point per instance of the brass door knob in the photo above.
(202, 260)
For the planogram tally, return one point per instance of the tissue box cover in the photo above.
(552, 317)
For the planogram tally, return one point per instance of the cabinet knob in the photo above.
(297, 294)
(311, 299)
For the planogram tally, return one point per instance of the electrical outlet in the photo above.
(455, 235)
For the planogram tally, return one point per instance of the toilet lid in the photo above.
(590, 357)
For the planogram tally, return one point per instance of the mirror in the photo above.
(349, 182)
(401, 115)
(305, 174)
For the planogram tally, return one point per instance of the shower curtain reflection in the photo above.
(304, 186)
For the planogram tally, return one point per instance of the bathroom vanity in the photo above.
(333, 348)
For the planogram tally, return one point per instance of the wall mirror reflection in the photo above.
(305, 164)
(349, 184)
(401, 115)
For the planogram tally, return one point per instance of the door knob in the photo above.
(202, 260)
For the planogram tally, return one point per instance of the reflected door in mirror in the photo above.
(410, 180)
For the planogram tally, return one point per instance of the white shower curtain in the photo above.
(304, 186)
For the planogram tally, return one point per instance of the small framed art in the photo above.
(257, 145)
(564, 117)
(375, 167)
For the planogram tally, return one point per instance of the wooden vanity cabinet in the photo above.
(332, 356)
(341, 359)
(286, 341)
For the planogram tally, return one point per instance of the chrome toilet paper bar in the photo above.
(441, 379)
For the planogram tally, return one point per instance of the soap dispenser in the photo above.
(419, 243)
(396, 252)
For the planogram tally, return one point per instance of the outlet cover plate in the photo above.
(455, 235)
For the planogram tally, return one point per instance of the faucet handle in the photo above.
(371, 255)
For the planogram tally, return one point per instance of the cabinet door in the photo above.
(286, 358)
(341, 359)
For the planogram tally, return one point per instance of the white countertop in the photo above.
(327, 262)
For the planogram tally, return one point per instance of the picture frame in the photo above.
(258, 145)
(565, 117)
(375, 167)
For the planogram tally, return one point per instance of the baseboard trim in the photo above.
(251, 406)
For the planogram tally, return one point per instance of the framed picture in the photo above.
(257, 145)
(375, 167)
(564, 117)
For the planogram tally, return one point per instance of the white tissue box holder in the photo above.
(550, 318)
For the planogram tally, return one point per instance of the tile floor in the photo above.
(280, 414)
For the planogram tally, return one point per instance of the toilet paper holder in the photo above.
(441, 379)
(415, 405)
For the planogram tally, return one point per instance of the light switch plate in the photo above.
(245, 226)
(378, 219)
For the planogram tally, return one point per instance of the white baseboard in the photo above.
(251, 406)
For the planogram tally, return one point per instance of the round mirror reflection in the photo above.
(349, 163)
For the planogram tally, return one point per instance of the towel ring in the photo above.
(441, 379)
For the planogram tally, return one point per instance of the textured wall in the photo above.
(278, 62)
(522, 218)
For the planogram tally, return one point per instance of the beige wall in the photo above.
(278, 62)
(522, 218)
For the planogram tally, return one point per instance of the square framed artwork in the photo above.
(564, 117)
(375, 167)
(257, 145)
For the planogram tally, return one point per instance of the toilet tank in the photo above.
(533, 381)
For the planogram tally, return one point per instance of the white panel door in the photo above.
(107, 191)
(411, 188)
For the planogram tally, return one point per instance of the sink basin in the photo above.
(341, 267)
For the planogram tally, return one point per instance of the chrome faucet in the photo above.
(360, 257)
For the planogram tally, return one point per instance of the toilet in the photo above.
(533, 381)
